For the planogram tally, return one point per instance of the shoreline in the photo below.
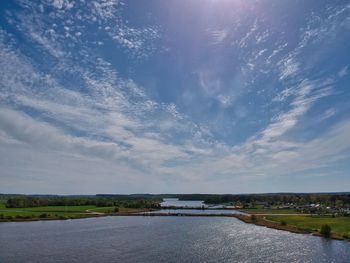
(246, 218)
(261, 221)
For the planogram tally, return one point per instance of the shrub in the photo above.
(116, 209)
(283, 223)
(325, 230)
(44, 215)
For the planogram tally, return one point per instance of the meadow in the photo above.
(62, 212)
(339, 225)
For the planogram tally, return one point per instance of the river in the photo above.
(161, 239)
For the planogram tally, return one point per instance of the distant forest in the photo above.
(22, 201)
(153, 201)
(271, 199)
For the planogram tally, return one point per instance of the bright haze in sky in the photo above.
(196, 96)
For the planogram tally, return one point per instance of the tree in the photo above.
(44, 215)
(326, 230)
(283, 223)
(339, 203)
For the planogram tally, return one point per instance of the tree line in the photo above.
(32, 201)
(330, 199)
(153, 201)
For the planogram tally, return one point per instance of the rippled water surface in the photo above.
(161, 239)
(196, 211)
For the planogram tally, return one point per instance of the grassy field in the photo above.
(58, 212)
(50, 211)
(269, 211)
(339, 225)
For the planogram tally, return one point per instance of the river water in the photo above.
(196, 211)
(161, 239)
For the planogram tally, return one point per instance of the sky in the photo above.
(195, 96)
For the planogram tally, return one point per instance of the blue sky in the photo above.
(197, 96)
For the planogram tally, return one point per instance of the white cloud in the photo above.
(104, 14)
(110, 136)
(251, 31)
(213, 87)
(289, 67)
(305, 96)
(328, 114)
(114, 123)
(218, 36)
(63, 4)
(343, 72)
(224, 100)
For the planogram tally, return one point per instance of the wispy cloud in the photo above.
(343, 72)
(70, 114)
(219, 36)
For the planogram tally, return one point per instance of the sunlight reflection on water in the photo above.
(161, 239)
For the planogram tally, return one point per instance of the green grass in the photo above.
(65, 211)
(339, 225)
(269, 211)
(60, 212)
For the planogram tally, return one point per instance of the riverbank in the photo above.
(124, 212)
(261, 220)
